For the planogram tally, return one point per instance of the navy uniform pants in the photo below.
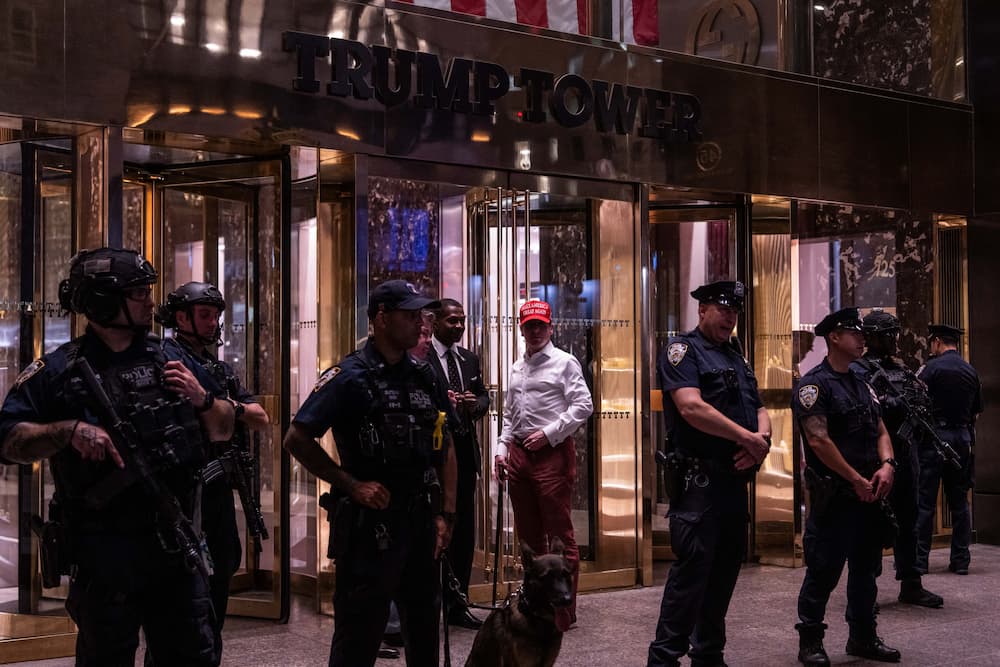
(368, 578)
(127, 582)
(903, 499)
(933, 471)
(848, 532)
(708, 534)
(218, 521)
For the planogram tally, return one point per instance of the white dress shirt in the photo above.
(547, 392)
(441, 351)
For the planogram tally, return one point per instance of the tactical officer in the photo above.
(394, 488)
(956, 400)
(900, 393)
(850, 469)
(719, 433)
(125, 490)
(193, 311)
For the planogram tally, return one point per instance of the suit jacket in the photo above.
(467, 449)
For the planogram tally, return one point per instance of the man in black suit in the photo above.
(459, 369)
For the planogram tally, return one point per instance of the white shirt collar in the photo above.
(543, 353)
(440, 347)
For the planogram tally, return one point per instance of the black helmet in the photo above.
(185, 298)
(878, 321)
(98, 279)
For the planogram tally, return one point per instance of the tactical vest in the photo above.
(400, 425)
(167, 426)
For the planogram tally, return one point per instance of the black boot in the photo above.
(873, 649)
(912, 592)
(811, 651)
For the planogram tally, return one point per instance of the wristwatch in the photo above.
(893, 462)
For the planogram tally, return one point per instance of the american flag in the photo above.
(635, 21)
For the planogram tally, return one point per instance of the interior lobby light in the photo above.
(248, 113)
(336, 34)
(213, 47)
(213, 111)
(177, 109)
(480, 136)
(249, 53)
(819, 8)
(348, 133)
(177, 20)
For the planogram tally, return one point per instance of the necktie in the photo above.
(454, 380)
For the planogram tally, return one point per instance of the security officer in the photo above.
(898, 390)
(193, 311)
(956, 399)
(719, 432)
(850, 468)
(128, 565)
(388, 415)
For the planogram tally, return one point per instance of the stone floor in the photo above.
(615, 627)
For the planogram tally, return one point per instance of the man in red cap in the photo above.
(547, 401)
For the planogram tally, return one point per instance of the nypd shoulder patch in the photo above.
(676, 352)
(29, 372)
(326, 377)
(807, 395)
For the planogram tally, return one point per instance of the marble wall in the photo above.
(885, 44)
(885, 260)
(404, 232)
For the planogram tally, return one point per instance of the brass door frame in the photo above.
(188, 177)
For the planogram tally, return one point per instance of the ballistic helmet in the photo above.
(879, 321)
(185, 298)
(98, 279)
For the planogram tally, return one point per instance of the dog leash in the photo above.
(455, 587)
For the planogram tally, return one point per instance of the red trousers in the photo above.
(540, 485)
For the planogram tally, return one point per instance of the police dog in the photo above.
(523, 633)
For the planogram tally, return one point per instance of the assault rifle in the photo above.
(240, 468)
(174, 529)
(915, 426)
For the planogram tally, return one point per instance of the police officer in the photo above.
(719, 432)
(956, 399)
(193, 311)
(850, 468)
(899, 390)
(387, 413)
(127, 564)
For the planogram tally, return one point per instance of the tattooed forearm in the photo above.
(815, 428)
(29, 442)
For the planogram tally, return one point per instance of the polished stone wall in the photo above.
(404, 232)
(885, 44)
(885, 260)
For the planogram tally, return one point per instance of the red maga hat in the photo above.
(536, 309)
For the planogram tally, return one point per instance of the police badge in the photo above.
(808, 395)
(676, 352)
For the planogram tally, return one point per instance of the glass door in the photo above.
(221, 222)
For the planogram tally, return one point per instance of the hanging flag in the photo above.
(634, 21)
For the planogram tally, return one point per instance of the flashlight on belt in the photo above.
(439, 432)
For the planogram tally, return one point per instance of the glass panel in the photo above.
(776, 529)
(10, 362)
(688, 248)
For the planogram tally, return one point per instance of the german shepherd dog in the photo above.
(523, 632)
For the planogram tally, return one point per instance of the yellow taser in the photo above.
(439, 432)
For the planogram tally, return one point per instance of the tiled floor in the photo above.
(616, 627)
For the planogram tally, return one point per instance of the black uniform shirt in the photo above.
(344, 401)
(726, 381)
(40, 395)
(852, 414)
(954, 387)
(222, 371)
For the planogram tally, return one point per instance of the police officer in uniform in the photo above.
(719, 433)
(128, 568)
(850, 469)
(880, 368)
(956, 399)
(193, 311)
(394, 488)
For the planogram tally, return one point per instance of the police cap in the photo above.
(845, 318)
(729, 293)
(879, 321)
(398, 295)
(944, 331)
